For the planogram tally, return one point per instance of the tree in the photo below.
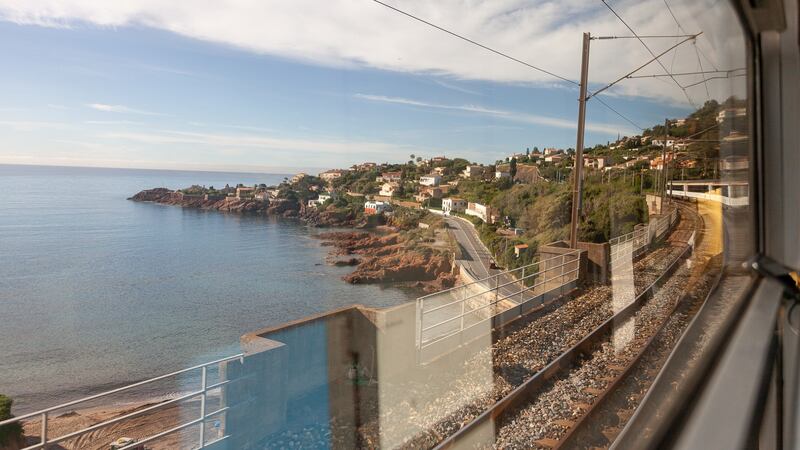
(411, 156)
(513, 168)
(419, 158)
(527, 152)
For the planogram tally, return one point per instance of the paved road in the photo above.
(475, 256)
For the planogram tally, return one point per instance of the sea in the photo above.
(97, 291)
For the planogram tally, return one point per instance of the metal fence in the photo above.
(202, 393)
(635, 243)
(459, 314)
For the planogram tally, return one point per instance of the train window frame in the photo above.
(738, 386)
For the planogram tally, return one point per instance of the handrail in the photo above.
(493, 276)
(44, 441)
(565, 276)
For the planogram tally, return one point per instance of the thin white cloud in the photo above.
(609, 129)
(32, 125)
(112, 122)
(360, 33)
(457, 88)
(259, 142)
(121, 109)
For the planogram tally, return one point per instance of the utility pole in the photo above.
(641, 181)
(578, 172)
(664, 166)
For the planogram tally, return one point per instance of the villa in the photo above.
(245, 192)
(483, 212)
(390, 176)
(453, 204)
(430, 180)
(330, 175)
(389, 189)
(472, 172)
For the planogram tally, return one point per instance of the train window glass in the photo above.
(370, 224)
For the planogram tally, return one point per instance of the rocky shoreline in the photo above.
(282, 208)
(386, 258)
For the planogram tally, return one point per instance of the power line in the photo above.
(655, 58)
(503, 55)
(650, 51)
(617, 112)
(706, 80)
(681, 74)
(680, 28)
(476, 43)
(702, 131)
(603, 38)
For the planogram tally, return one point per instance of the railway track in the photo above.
(517, 354)
(544, 407)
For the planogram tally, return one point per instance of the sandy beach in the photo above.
(147, 424)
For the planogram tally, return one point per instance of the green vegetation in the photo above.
(12, 432)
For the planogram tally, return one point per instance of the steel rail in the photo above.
(601, 400)
(562, 364)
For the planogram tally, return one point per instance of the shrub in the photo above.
(12, 432)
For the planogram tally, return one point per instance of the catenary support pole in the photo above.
(577, 173)
(664, 165)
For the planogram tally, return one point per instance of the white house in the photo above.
(453, 204)
(390, 176)
(502, 174)
(597, 162)
(430, 180)
(660, 142)
(324, 197)
(554, 158)
(472, 172)
(484, 212)
(376, 207)
(388, 189)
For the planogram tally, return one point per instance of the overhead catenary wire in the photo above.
(650, 51)
(655, 58)
(452, 33)
(604, 38)
(681, 74)
(617, 112)
(681, 29)
(503, 54)
(706, 80)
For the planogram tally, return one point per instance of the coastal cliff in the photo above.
(289, 208)
(390, 258)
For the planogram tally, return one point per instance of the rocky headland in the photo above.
(288, 208)
(393, 257)
(389, 258)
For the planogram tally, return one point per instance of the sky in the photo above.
(279, 86)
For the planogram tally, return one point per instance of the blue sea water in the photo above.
(97, 291)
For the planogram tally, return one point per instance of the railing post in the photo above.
(522, 291)
(204, 384)
(496, 290)
(420, 309)
(43, 440)
(463, 307)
